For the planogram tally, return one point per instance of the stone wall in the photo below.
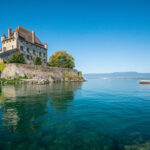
(51, 74)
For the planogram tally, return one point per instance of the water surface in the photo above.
(94, 115)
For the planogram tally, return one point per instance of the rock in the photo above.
(42, 81)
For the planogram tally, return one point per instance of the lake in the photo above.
(112, 114)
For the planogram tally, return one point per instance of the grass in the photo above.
(9, 80)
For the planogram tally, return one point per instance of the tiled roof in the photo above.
(27, 35)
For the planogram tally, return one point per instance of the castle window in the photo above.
(28, 50)
(33, 51)
(12, 46)
(21, 48)
(27, 56)
(4, 48)
(40, 53)
(44, 54)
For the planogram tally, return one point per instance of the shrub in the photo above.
(66, 75)
(16, 58)
(37, 61)
(61, 59)
(2, 66)
(80, 74)
(12, 79)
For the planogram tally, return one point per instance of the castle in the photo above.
(24, 42)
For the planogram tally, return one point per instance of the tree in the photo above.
(37, 61)
(61, 59)
(16, 58)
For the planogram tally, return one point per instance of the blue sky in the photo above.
(102, 35)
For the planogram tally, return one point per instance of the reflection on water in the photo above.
(21, 105)
(61, 94)
(94, 115)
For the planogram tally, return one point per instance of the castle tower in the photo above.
(15, 34)
(3, 37)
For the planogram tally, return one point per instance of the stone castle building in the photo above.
(24, 42)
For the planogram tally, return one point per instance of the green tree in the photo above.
(37, 61)
(16, 58)
(61, 59)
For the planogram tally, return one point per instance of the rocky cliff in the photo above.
(40, 73)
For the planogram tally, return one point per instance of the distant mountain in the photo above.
(126, 75)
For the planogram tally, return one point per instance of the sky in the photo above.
(102, 35)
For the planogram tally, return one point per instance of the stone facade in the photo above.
(24, 42)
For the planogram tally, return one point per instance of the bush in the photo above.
(12, 79)
(61, 59)
(16, 58)
(2, 66)
(66, 75)
(80, 74)
(37, 61)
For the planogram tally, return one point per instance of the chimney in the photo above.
(33, 37)
(45, 45)
(9, 32)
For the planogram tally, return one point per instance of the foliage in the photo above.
(61, 59)
(69, 76)
(37, 61)
(2, 66)
(66, 75)
(80, 74)
(16, 58)
(12, 80)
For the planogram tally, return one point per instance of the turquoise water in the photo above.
(111, 114)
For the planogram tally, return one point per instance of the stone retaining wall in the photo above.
(49, 74)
